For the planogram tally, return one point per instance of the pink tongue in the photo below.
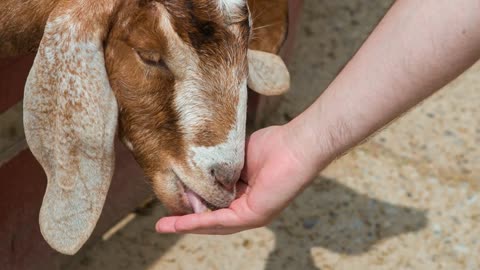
(197, 204)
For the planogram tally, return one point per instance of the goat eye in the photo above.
(208, 30)
(152, 59)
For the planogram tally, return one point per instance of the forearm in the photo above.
(417, 48)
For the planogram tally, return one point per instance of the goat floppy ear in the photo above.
(267, 73)
(70, 118)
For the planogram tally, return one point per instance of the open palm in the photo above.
(272, 177)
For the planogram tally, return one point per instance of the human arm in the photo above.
(417, 48)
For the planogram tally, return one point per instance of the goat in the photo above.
(169, 77)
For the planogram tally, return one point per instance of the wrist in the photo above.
(309, 145)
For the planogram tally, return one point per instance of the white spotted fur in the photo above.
(78, 181)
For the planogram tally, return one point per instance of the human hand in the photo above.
(272, 177)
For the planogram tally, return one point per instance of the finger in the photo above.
(221, 218)
(217, 231)
(166, 225)
(245, 171)
(193, 222)
(223, 221)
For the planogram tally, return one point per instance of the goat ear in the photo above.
(70, 118)
(268, 74)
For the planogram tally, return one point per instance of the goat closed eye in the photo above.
(152, 59)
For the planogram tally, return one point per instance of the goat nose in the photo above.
(225, 176)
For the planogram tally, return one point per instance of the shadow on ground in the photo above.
(328, 215)
(134, 247)
(332, 216)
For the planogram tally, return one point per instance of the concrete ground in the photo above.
(406, 199)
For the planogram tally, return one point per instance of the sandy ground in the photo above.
(407, 199)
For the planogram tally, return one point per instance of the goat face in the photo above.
(179, 72)
(175, 73)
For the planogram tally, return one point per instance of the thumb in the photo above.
(244, 176)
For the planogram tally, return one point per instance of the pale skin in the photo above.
(417, 48)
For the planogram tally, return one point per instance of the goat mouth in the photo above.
(197, 203)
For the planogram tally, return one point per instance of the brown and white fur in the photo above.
(170, 75)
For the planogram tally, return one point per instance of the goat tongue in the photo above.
(196, 202)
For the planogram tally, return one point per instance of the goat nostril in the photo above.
(229, 186)
(224, 177)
